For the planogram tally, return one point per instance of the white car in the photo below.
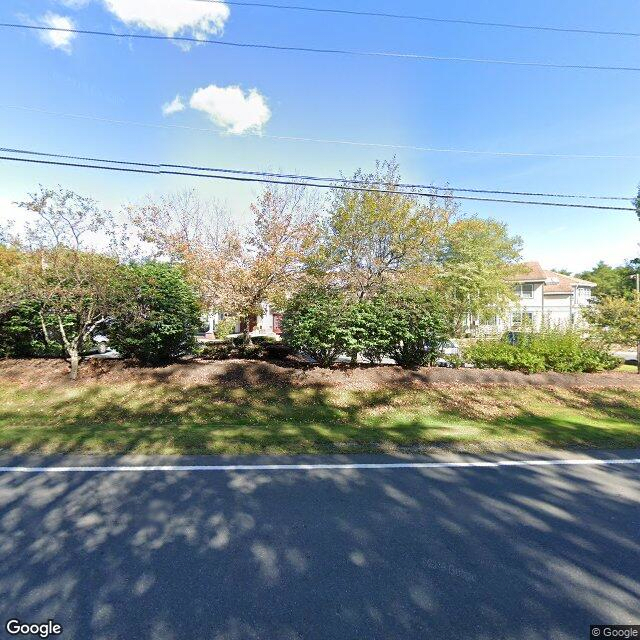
(101, 342)
(448, 349)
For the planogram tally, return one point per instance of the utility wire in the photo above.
(381, 145)
(419, 18)
(157, 169)
(344, 52)
(422, 187)
(570, 156)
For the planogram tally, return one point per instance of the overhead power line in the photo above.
(352, 143)
(266, 178)
(347, 181)
(343, 52)
(421, 18)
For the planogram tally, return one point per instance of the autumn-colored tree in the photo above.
(232, 269)
(376, 235)
(11, 284)
(182, 228)
(76, 290)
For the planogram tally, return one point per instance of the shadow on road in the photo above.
(438, 553)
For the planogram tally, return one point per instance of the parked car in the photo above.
(449, 353)
(101, 343)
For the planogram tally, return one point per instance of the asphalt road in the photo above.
(345, 554)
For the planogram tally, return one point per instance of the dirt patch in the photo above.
(244, 374)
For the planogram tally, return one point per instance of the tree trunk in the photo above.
(75, 361)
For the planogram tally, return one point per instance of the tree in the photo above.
(268, 263)
(76, 289)
(236, 270)
(372, 239)
(79, 290)
(186, 230)
(610, 281)
(11, 283)
(64, 218)
(161, 323)
(617, 320)
(474, 268)
(23, 335)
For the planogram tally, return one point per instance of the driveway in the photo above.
(628, 356)
(535, 552)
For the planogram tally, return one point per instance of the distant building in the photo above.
(544, 298)
(268, 323)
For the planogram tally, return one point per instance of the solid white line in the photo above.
(321, 466)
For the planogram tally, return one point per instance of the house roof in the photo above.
(554, 282)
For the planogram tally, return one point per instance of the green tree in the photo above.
(617, 321)
(473, 271)
(25, 332)
(160, 324)
(79, 291)
(610, 281)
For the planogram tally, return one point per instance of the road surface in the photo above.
(535, 552)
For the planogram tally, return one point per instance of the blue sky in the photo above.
(404, 102)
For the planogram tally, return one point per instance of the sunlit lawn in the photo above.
(163, 418)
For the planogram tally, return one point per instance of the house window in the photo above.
(518, 318)
(525, 290)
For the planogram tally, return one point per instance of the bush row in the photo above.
(565, 351)
(408, 326)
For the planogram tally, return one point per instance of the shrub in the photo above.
(414, 326)
(225, 328)
(315, 323)
(164, 318)
(22, 334)
(561, 350)
(216, 351)
(277, 350)
(367, 331)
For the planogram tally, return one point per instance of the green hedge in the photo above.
(564, 351)
(166, 317)
(324, 323)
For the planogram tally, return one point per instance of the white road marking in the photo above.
(324, 466)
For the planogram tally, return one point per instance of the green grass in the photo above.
(628, 368)
(168, 419)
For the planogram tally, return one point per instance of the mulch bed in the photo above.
(247, 373)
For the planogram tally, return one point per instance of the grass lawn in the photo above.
(205, 419)
(628, 368)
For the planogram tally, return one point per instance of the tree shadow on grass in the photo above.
(247, 418)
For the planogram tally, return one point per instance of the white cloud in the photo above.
(231, 108)
(175, 106)
(57, 39)
(171, 17)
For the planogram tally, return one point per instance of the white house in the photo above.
(545, 298)
(268, 323)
